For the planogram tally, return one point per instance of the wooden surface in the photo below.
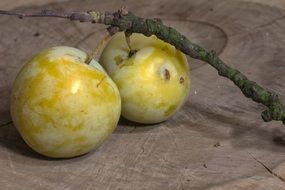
(217, 141)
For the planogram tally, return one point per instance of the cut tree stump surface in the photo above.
(216, 141)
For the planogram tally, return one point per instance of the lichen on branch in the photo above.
(122, 20)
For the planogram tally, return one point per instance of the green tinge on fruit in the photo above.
(154, 82)
(63, 107)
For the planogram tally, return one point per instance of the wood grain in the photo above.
(214, 142)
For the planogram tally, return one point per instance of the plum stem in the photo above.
(98, 49)
(127, 37)
(122, 20)
(128, 40)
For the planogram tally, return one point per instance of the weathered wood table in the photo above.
(217, 141)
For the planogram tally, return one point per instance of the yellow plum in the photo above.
(63, 107)
(153, 78)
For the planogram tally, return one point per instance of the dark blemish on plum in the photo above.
(100, 82)
(166, 74)
(132, 52)
(181, 80)
(119, 60)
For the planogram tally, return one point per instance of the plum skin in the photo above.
(153, 80)
(63, 107)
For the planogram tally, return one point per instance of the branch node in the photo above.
(213, 53)
(97, 17)
(123, 11)
(158, 20)
(113, 30)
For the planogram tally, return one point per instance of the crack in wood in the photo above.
(270, 22)
(7, 123)
(268, 169)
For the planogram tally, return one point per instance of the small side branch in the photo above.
(77, 16)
